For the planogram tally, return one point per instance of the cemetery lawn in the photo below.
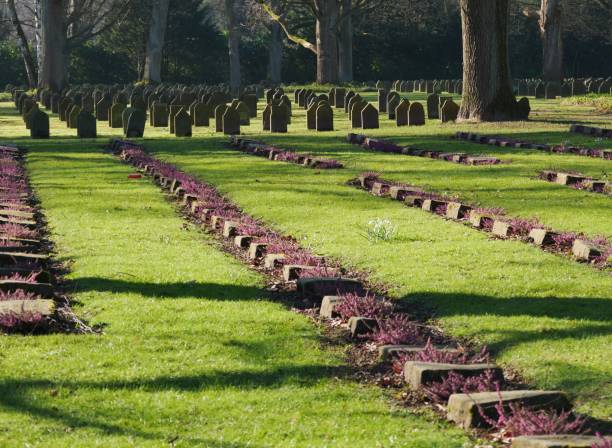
(544, 315)
(194, 353)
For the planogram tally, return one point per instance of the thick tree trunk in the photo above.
(155, 42)
(345, 44)
(487, 89)
(275, 49)
(552, 40)
(53, 74)
(38, 35)
(26, 54)
(233, 33)
(327, 42)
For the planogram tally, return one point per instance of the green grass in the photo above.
(193, 349)
(546, 316)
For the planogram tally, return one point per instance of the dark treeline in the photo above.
(393, 40)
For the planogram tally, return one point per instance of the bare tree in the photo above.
(155, 41)
(24, 46)
(487, 89)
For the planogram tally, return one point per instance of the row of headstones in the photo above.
(454, 86)
(406, 113)
(567, 88)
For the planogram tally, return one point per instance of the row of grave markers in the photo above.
(468, 410)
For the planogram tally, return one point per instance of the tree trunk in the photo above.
(552, 40)
(327, 42)
(155, 42)
(37, 32)
(53, 74)
(233, 42)
(275, 49)
(345, 44)
(26, 54)
(487, 89)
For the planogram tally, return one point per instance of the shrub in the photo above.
(431, 354)
(602, 442)
(454, 383)
(397, 329)
(353, 305)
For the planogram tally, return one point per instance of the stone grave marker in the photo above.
(401, 113)
(416, 114)
(449, 111)
(174, 109)
(347, 101)
(393, 99)
(339, 97)
(39, 124)
(102, 108)
(181, 123)
(116, 113)
(369, 117)
(72, 116)
(278, 119)
(55, 102)
(136, 123)
(159, 115)
(356, 108)
(201, 115)
(540, 91)
(311, 116)
(231, 121)
(86, 125)
(324, 117)
(266, 117)
(432, 106)
(250, 100)
(244, 113)
(219, 111)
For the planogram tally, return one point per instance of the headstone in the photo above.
(369, 117)
(311, 116)
(244, 113)
(449, 111)
(441, 101)
(86, 125)
(231, 121)
(250, 100)
(356, 108)
(540, 91)
(102, 109)
(174, 110)
(278, 119)
(39, 124)
(136, 123)
(266, 117)
(87, 103)
(201, 115)
(55, 102)
(416, 114)
(401, 113)
(339, 97)
(73, 115)
(65, 106)
(382, 100)
(181, 123)
(432, 106)
(324, 117)
(219, 111)
(116, 113)
(125, 116)
(393, 99)
(159, 115)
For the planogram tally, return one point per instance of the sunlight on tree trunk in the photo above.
(487, 89)
(327, 42)
(155, 43)
(345, 44)
(275, 49)
(233, 33)
(24, 47)
(552, 40)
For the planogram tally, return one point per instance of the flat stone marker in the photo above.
(361, 325)
(317, 288)
(501, 229)
(583, 250)
(272, 261)
(464, 409)
(12, 258)
(542, 237)
(257, 250)
(556, 441)
(388, 352)
(243, 241)
(418, 373)
(43, 289)
(328, 306)
(43, 307)
(456, 210)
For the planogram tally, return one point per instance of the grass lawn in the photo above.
(193, 353)
(545, 315)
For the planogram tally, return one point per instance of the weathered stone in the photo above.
(72, 116)
(380, 188)
(243, 241)
(231, 121)
(328, 306)
(86, 125)
(257, 250)
(584, 250)
(558, 441)
(418, 373)
(324, 117)
(244, 114)
(400, 192)
(219, 112)
(568, 179)
(393, 100)
(416, 114)
(182, 124)
(382, 100)
(457, 210)
(201, 115)
(103, 109)
(272, 261)
(369, 117)
(42, 289)
(135, 123)
(401, 113)
(430, 205)
(542, 237)
(388, 352)
(501, 229)
(361, 325)
(449, 111)
(44, 307)
(12, 258)
(159, 115)
(466, 409)
(229, 229)
(115, 119)
(478, 219)
(317, 288)
(278, 119)
(355, 115)
(39, 124)
(432, 106)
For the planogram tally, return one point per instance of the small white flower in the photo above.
(381, 230)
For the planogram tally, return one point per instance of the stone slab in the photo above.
(317, 288)
(328, 305)
(556, 441)
(44, 307)
(417, 373)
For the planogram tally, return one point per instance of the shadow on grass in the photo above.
(20, 395)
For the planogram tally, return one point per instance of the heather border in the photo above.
(576, 181)
(505, 142)
(595, 251)
(380, 145)
(31, 300)
(262, 149)
(385, 325)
